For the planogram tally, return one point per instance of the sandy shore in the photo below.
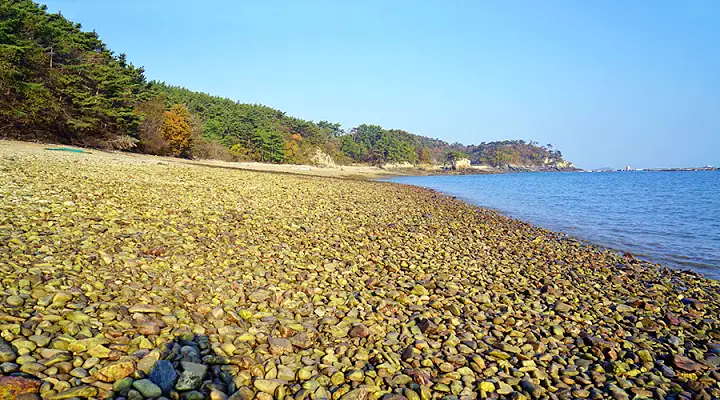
(139, 277)
(345, 171)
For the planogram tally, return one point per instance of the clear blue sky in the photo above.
(609, 83)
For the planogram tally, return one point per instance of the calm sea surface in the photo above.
(672, 218)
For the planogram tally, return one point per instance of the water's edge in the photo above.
(619, 250)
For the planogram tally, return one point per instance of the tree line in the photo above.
(61, 84)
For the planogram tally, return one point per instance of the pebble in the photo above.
(147, 388)
(267, 385)
(227, 284)
(7, 354)
(78, 391)
(195, 368)
(188, 381)
(15, 301)
(113, 372)
(163, 375)
(359, 331)
(122, 385)
(280, 345)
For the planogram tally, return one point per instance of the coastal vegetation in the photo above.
(59, 83)
(131, 277)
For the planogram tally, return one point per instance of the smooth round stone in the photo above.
(218, 395)
(79, 373)
(147, 388)
(355, 375)
(32, 368)
(7, 354)
(122, 385)
(40, 340)
(15, 301)
(304, 374)
(8, 367)
(62, 297)
(24, 344)
(90, 362)
(194, 395)
(25, 359)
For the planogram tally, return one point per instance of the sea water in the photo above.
(671, 218)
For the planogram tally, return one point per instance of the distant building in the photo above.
(627, 168)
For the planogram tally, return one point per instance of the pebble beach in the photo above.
(136, 278)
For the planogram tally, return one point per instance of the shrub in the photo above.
(210, 150)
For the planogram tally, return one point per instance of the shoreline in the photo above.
(267, 285)
(357, 171)
(622, 252)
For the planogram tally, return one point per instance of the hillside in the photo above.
(61, 84)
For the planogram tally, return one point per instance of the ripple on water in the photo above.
(672, 218)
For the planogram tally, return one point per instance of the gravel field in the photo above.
(131, 277)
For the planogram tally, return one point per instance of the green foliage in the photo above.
(512, 152)
(455, 155)
(61, 83)
(375, 145)
(352, 149)
(257, 129)
(269, 146)
(333, 127)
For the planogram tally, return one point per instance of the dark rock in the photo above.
(426, 326)
(164, 375)
(685, 363)
(7, 354)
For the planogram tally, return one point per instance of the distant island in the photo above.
(680, 169)
(61, 84)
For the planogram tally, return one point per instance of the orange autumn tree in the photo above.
(292, 146)
(177, 130)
